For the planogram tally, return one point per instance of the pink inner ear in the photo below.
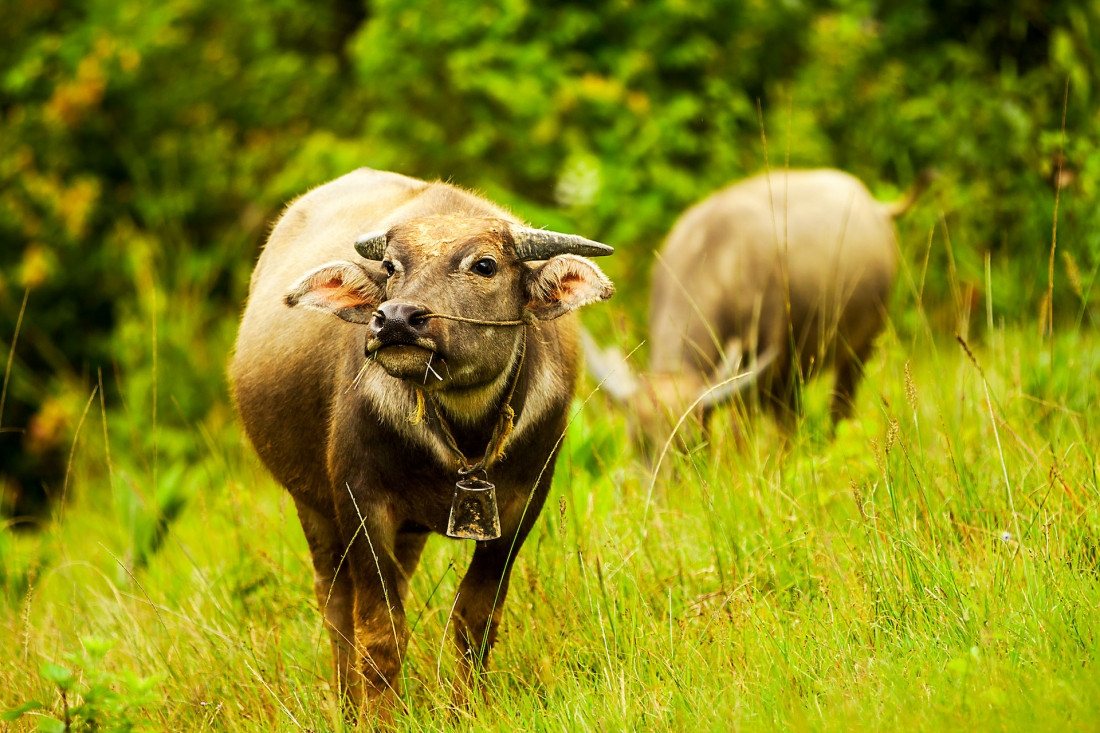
(568, 284)
(335, 291)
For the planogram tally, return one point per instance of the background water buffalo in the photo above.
(451, 347)
(776, 277)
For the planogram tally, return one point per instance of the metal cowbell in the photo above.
(474, 511)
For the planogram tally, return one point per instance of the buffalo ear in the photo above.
(565, 283)
(344, 289)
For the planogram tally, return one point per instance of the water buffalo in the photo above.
(371, 385)
(772, 279)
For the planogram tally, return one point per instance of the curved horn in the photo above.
(731, 386)
(371, 246)
(898, 208)
(539, 244)
(609, 368)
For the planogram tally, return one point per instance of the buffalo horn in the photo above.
(372, 245)
(610, 368)
(539, 244)
(729, 386)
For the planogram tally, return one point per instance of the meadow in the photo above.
(933, 566)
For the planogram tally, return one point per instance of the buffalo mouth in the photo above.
(418, 361)
(398, 340)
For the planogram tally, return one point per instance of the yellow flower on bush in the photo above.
(71, 100)
(37, 267)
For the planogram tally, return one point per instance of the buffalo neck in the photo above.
(473, 414)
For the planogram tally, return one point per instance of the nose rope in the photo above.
(528, 319)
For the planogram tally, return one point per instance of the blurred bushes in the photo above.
(146, 145)
(140, 142)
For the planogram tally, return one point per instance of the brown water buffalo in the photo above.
(366, 384)
(773, 279)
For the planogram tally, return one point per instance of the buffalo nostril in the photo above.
(395, 317)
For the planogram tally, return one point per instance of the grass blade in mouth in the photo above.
(429, 368)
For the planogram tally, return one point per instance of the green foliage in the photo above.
(138, 147)
(977, 91)
(145, 149)
(586, 106)
(107, 702)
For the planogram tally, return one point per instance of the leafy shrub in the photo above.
(91, 698)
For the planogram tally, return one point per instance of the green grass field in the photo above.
(934, 567)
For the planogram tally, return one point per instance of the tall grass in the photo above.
(935, 565)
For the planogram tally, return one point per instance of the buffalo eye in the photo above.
(388, 267)
(485, 267)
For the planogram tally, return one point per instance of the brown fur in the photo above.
(368, 482)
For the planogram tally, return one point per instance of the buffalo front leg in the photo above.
(781, 396)
(478, 608)
(849, 372)
(381, 631)
(407, 551)
(333, 585)
(480, 601)
(481, 595)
